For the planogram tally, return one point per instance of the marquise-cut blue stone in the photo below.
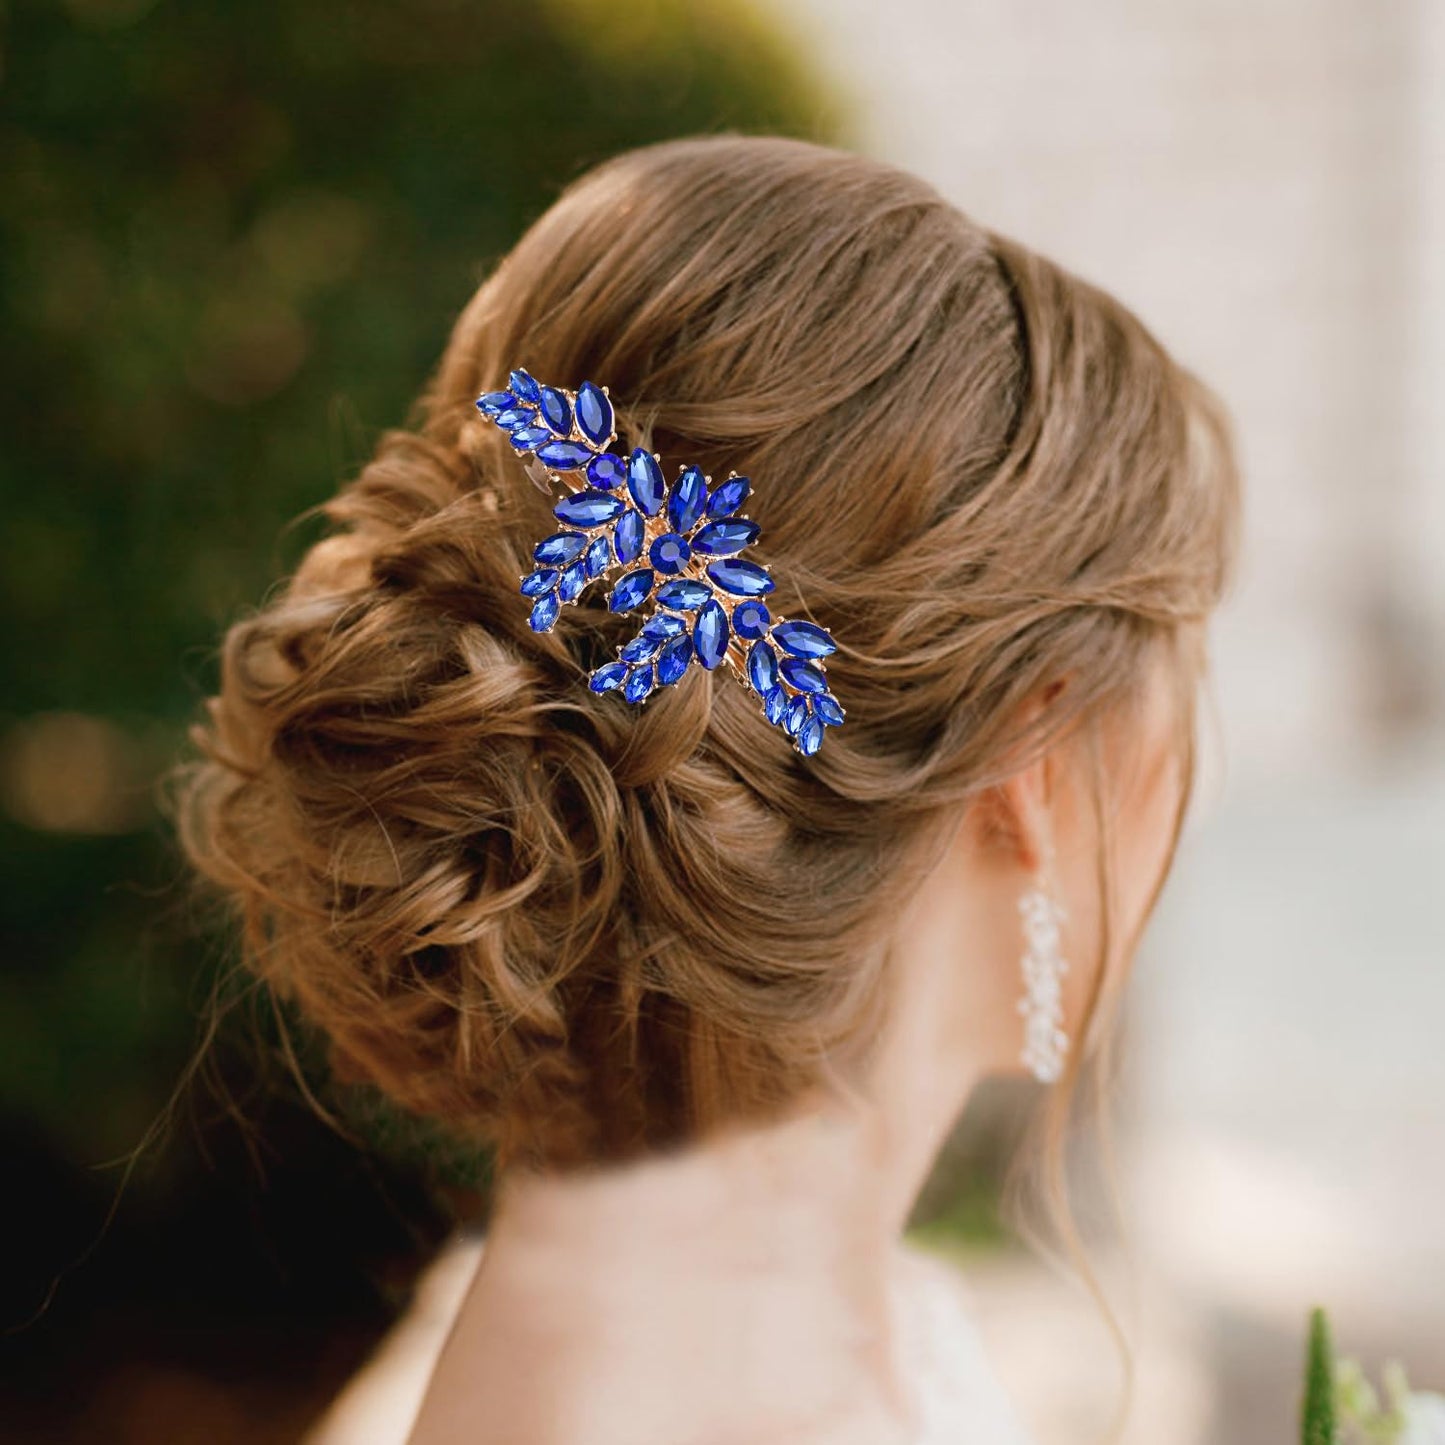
(588, 509)
(803, 675)
(664, 625)
(827, 707)
(515, 416)
(594, 413)
(810, 737)
(564, 456)
(762, 668)
(627, 536)
(598, 557)
(524, 386)
(559, 549)
(722, 539)
(686, 499)
(493, 402)
(640, 649)
(710, 634)
(608, 676)
(669, 553)
(804, 639)
(644, 481)
(751, 618)
(639, 683)
(524, 438)
(672, 661)
(728, 496)
(555, 410)
(573, 580)
(684, 595)
(631, 590)
(535, 583)
(775, 704)
(796, 715)
(544, 612)
(741, 578)
(606, 471)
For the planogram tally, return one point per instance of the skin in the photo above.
(738, 1291)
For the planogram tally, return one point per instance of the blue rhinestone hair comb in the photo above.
(679, 550)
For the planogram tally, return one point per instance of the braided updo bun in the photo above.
(580, 929)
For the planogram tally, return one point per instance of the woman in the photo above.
(717, 996)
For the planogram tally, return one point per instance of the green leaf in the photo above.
(1317, 1414)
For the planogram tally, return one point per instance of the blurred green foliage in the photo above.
(233, 238)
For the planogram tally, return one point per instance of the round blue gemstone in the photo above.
(631, 590)
(514, 417)
(588, 509)
(594, 413)
(750, 619)
(810, 737)
(493, 402)
(762, 668)
(564, 456)
(573, 580)
(644, 481)
(743, 579)
(722, 539)
(535, 583)
(672, 661)
(605, 470)
(664, 625)
(710, 634)
(544, 612)
(686, 499)
(684, 595)
(796, 715)
(640, 649)
(728, 496)
(559, 549)
(827, 707)
(775, 704)
(524, 386)
(555, 410)
(803, 675)
(639, 683)
(598, 557)
(804, 639)
(524, 438)
(608, 676)
(670, 552)
(627, 536)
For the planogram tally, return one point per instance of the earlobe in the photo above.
(1023, 805)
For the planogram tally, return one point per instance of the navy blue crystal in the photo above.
(796, 715)
(524, 386)
(555, 410)
(492, 402)
(751, 618)
(728, 496)
(535, 583)
(627, 536)
(594, 413)
(631, 590)
(641, 649)
(598, 557)
(685, 595)
(608, 676)
(672, 661)
(687, 499)
(559, 549)
(670, 553)
(710, 634)
(827, 707)
(775, 704)
(573, 580)
(544, 612)
(804, 639)
(742, 578)
(802, 674)
(564, 456)
(810, 737)
(606, 471)
(762, 668)
(663, 625)
(638, 684)
(525, 438)
(588, 509)
(722, 539)
(644, 481)
(514, 417)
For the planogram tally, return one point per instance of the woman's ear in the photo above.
(1018, 812)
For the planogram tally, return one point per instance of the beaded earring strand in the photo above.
(704, 601)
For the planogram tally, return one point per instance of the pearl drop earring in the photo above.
(1042, 1005)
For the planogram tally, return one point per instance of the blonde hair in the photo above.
(578, 929)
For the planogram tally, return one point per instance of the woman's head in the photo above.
(582, 929)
